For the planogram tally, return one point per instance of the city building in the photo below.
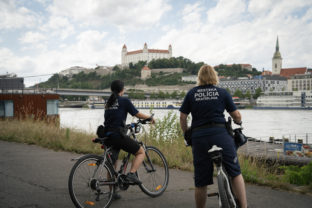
(244, 66)
(286, 100)
(17, 104)
(288, 72)
(264, 72)
(276, 60)
(284, 72)
(191, 78)
(145, 54)
(72, 70)
(11, 82)
(300, 82)
(146, 73)
(265, 83)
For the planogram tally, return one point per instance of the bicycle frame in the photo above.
(103, 178)
(107, 158)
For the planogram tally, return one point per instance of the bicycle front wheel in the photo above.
(154, 172)
(91, 182)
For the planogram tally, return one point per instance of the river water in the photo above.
(260, 124)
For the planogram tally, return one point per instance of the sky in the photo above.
(42, 37)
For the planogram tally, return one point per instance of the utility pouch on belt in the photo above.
(228, 126)
(100, 131)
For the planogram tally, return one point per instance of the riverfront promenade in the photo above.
(34, 177)
(272, 152)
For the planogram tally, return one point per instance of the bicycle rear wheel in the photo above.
(89, 181)
(225, 192)
(223, 186)
(154, 172)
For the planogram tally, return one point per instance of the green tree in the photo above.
(247, 94)
(257, 93)
(228, 90)
(174, 95)
(238, 93)
(182, 94)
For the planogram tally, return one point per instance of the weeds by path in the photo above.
(166, 135)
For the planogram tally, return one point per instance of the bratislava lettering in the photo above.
(206, 94)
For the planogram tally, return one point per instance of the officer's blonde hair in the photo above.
(207, 75)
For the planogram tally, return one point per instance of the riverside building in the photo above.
(300, 82)
(265, 83)
(277, 62)
(145, 54)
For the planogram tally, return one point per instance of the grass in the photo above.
(166, 135)
(47, 135)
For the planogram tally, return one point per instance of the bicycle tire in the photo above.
(223, 186)
(84, 177)
(154, 182)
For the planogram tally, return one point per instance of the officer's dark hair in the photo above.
(116, 87)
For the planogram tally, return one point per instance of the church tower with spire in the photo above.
(276, 60)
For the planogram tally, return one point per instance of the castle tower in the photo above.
(170, 50)
(145, 50)
(123, 54)
(276, 60)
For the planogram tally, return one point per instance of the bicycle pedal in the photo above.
(213, 194)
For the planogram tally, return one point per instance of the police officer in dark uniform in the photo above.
(115, 116)
(207, 103)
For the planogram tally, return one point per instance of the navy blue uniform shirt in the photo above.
(116, 115)
(206, 104)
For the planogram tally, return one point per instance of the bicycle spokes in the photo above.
(91, 183)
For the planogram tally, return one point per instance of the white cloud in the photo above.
(90, 48)
(59, 27)
(191, 14)
(32, 37)
(12, 17)
(12, 63)
(226, 11)
(230, 35)
(90, 32)
(122, 13)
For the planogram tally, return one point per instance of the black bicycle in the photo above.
(93, 179)
(225, 193)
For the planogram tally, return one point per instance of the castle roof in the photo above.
(149, 51)
(146, 68)
(288, 72)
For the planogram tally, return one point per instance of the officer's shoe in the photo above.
(132, 178)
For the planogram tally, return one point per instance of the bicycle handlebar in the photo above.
(140, 121)
(145, 121)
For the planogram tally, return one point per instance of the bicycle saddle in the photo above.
(215, 148)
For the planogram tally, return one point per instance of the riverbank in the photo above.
(166, 136)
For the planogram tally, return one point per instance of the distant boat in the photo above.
(240, 103)
(285, 100)
(145, 104)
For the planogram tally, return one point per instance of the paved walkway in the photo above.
(34, 177)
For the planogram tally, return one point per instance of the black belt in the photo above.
(209, 125)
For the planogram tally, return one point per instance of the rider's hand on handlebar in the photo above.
(153, 121)
(238, 123)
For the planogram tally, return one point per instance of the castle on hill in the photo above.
(145, 54)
